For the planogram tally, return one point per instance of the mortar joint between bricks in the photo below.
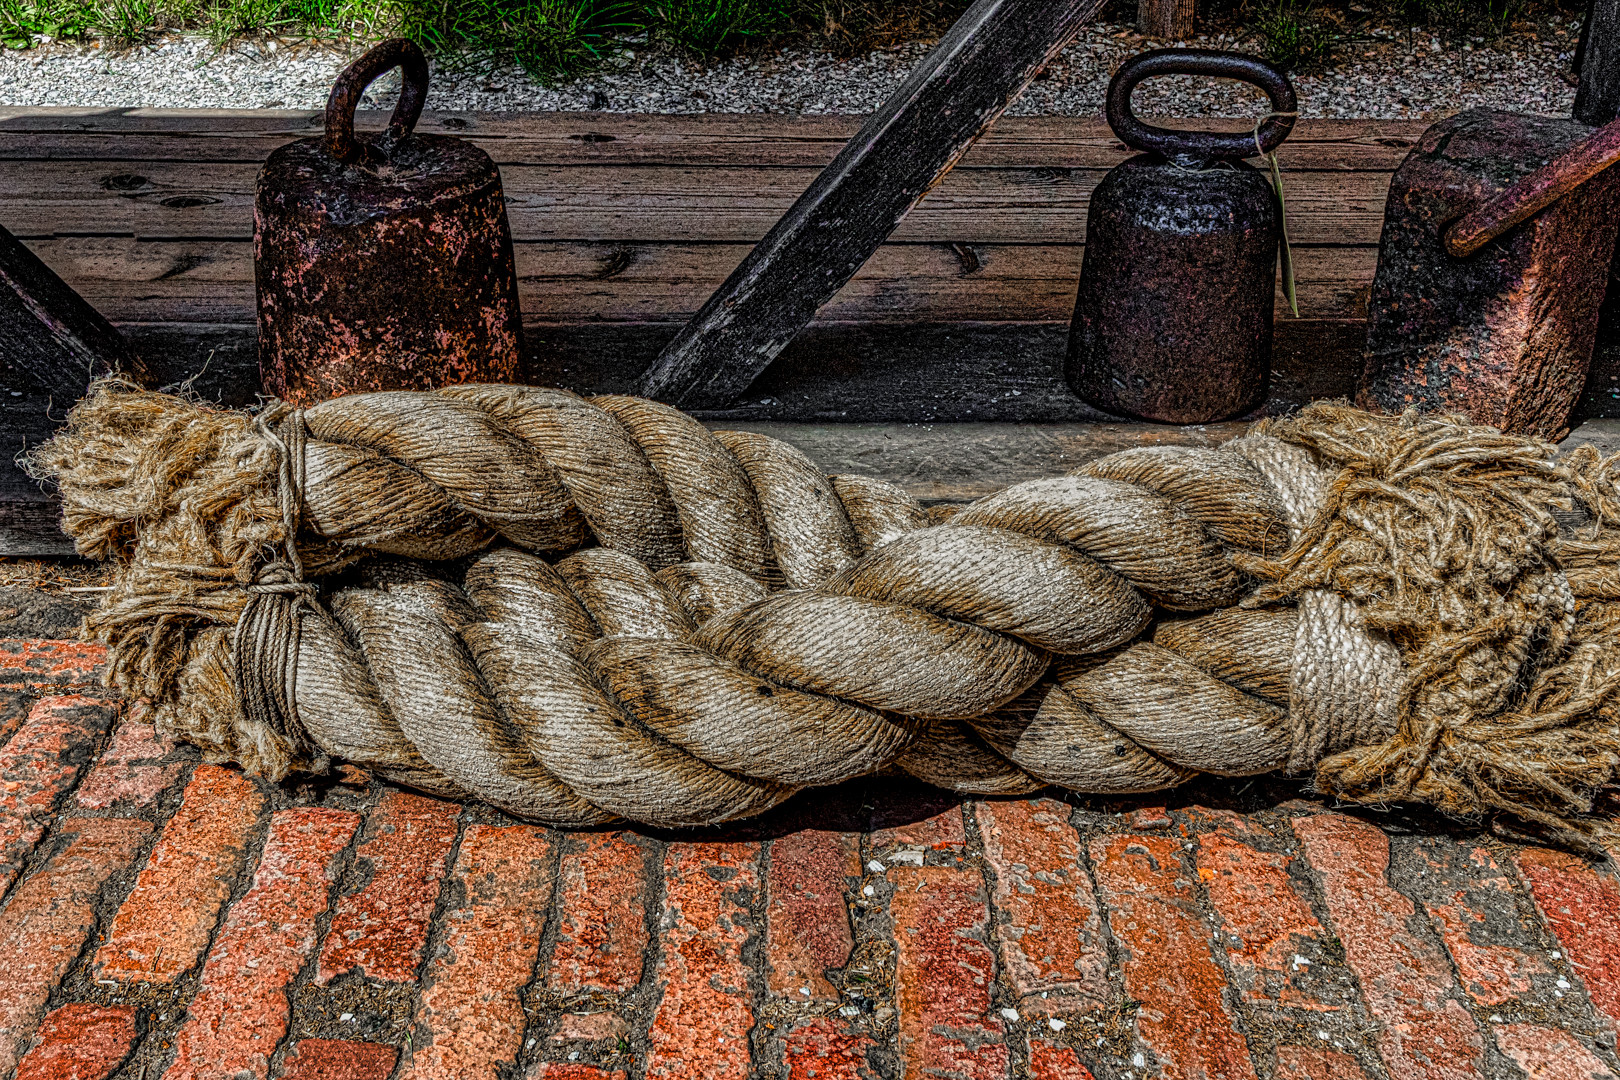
(1113, 1033)
(156, 1051)
(531, 1044)
(313, 1007)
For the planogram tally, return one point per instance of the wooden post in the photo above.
(1597, 60)
(1597, 101)
(981, 65)
(1165, 18)
(50, 332)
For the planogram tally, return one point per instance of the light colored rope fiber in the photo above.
(583, 610)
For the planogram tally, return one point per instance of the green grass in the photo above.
(556, 39)
(551, 39)
(1294, 32)
(1298, 34)
(708, 27)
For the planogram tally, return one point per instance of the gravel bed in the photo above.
(1393, 77)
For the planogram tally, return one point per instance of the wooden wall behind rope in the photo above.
(626, 224)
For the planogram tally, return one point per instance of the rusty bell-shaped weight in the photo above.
(1173, 318)
(382, 263)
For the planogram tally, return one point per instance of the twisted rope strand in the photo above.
(719, 624)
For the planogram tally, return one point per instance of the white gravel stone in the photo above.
(1405, 76)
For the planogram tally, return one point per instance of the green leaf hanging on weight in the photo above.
(1284, 252)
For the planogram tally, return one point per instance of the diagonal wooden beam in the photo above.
(979, 68)
(49, 331)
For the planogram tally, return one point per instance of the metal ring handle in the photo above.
(351, 84)
(1202, 145)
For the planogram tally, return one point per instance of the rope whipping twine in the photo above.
(586, 610)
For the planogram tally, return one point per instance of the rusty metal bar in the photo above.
(1535, 192)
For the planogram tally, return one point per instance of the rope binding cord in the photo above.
(588, 610)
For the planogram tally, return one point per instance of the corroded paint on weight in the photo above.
(1174, 314)
(1173, 317)
(384, 263)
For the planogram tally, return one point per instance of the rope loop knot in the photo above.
(266, 639)
(1445, 538)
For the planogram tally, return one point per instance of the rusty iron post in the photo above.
(382, 263)
(1173, 317)
(1492, 265)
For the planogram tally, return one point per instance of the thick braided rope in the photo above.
(744, 627)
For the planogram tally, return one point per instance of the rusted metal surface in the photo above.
(1173, 317)
(1503, 335)
(382, 263)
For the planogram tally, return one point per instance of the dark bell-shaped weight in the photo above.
(1173, 319)
(382, 263)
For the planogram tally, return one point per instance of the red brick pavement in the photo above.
(165, 918)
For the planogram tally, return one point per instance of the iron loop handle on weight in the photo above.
(1203, 146)
(345, 98)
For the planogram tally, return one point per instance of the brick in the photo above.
(470, 1020)
(1583, 908)
(1183, 1019)
(1050, 1061)
(240, 1012)
(38, 766)
(80, 1042)
(589, 1027)
(1048, 928)
(131, 771)
(820, 1049)
(568, 1070)
(381, 930)
(338, 1059)
(601, 916)
(943, 831)
(1547, 1053)
(1273, 941)
(807, 929)
(1405, 977)
(1475, 909)
(1312, 1063)
(50, 916)
(1149, 819)
(701, 1024)
(944, 972)
(164, 925)
(27, 663)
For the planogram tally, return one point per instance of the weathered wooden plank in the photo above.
(960, 462)
(642, 203)
(210, 281)
(49, 330)
(608, 138)
(1168, 19)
